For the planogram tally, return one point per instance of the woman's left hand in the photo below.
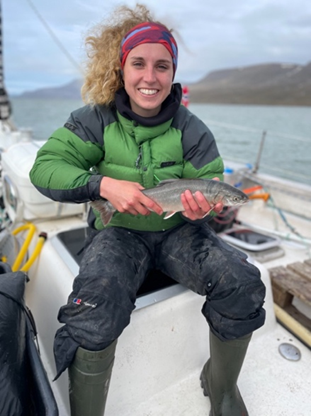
(196, 206)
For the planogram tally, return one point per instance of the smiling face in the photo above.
(148, 76)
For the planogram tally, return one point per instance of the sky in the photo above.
(211, 35)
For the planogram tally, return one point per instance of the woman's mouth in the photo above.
(147, 91)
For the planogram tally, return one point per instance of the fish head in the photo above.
(234, 197)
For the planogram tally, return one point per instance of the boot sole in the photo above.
(204, 385)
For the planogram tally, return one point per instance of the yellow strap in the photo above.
(34, 255)
(31, 230)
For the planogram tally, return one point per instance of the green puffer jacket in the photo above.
(99, 141)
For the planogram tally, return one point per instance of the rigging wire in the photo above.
(54, 37)
(286, 173)
(289, 226)
(289, 173)
(271, 133)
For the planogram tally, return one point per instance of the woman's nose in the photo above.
(149, 74)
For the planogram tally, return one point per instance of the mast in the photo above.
(5, 105)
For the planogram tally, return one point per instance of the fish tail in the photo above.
(105, 209)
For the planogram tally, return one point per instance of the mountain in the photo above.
(266, 84)
(69, 91)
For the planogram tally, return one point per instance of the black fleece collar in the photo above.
(168, 110)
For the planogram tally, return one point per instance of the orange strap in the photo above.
(265, 196)
(252, 189)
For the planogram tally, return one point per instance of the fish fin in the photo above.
(165, 181)
(205, 215)
(208, 212)
(169, 214)
(105, 209)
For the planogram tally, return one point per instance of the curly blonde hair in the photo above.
(103, 68)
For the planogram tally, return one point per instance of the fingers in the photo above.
(193, 202)
(218, 208)
(150, 204)
(196, 206)
(127, 197)
(203, 204)
(141, 204)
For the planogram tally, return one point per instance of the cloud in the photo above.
(212, 34)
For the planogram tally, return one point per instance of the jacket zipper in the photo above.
(138, 160)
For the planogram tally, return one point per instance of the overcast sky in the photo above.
(216, 34)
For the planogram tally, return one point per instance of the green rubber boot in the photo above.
(220, 374)
(89, 378)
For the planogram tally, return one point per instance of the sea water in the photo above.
(238, 130)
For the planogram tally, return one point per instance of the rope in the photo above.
(55, 38)
(289, 226)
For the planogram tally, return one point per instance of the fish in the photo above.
(168, 192)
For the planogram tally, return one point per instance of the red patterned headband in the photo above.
(148, 32)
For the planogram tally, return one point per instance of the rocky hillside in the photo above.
(269, 84)
(69, 91)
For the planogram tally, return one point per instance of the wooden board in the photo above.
(308, 262)
(302, 269)
(291, 281)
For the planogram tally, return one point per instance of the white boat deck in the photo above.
(262, 218)
(160, 355)
(270, 384)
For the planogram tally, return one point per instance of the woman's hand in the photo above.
(196, 206)
(127, 197)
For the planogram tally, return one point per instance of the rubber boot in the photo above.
(89, 378)
(220, 374)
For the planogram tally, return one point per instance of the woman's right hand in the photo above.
(127, 197)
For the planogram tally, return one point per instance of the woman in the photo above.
(133, 133)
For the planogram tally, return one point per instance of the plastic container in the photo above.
(230, 176)
(17, 161)
(234, 174)
(250, 240)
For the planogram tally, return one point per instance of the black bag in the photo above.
(24, 386)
